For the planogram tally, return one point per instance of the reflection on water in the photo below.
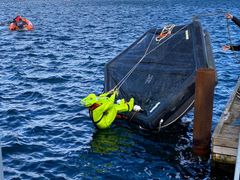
(108, 141)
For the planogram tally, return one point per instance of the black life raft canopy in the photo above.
(163, 82)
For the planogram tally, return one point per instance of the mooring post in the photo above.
(204, 92)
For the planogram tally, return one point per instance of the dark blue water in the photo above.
(46, 133)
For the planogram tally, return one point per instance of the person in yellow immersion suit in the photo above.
(102, 109)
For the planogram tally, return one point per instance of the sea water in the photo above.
(45, 132)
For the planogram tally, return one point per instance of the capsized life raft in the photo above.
(163, 82)
(23, 24)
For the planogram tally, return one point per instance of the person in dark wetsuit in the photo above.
(237, 22)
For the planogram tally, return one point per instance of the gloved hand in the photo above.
(137, 108)
(228, 16)
(117, 92)
(114, 91)
(111, 91)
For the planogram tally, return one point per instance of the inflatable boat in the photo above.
(159, 72)
(20, 24)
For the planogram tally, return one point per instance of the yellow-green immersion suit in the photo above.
(102, 109)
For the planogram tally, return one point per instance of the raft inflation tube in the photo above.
(163, 79)
(23, 25)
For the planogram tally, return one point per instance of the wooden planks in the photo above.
(225, 138)
(237, 165)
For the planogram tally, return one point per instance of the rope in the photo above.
(123, 80)
(133, 116)
(120, 83)
(150, 42)
(228, 31)
(228, 27)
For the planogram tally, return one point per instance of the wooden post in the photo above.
(204, 92)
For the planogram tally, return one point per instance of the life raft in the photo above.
(23, 24)
(161, 75)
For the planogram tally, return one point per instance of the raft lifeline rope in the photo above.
(123, 80)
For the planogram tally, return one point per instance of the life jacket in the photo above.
(91, 109)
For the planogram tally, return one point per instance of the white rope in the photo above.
(130, 72)
(150, 42)
(123, 80)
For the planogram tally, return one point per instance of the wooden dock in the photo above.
(226, 135)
